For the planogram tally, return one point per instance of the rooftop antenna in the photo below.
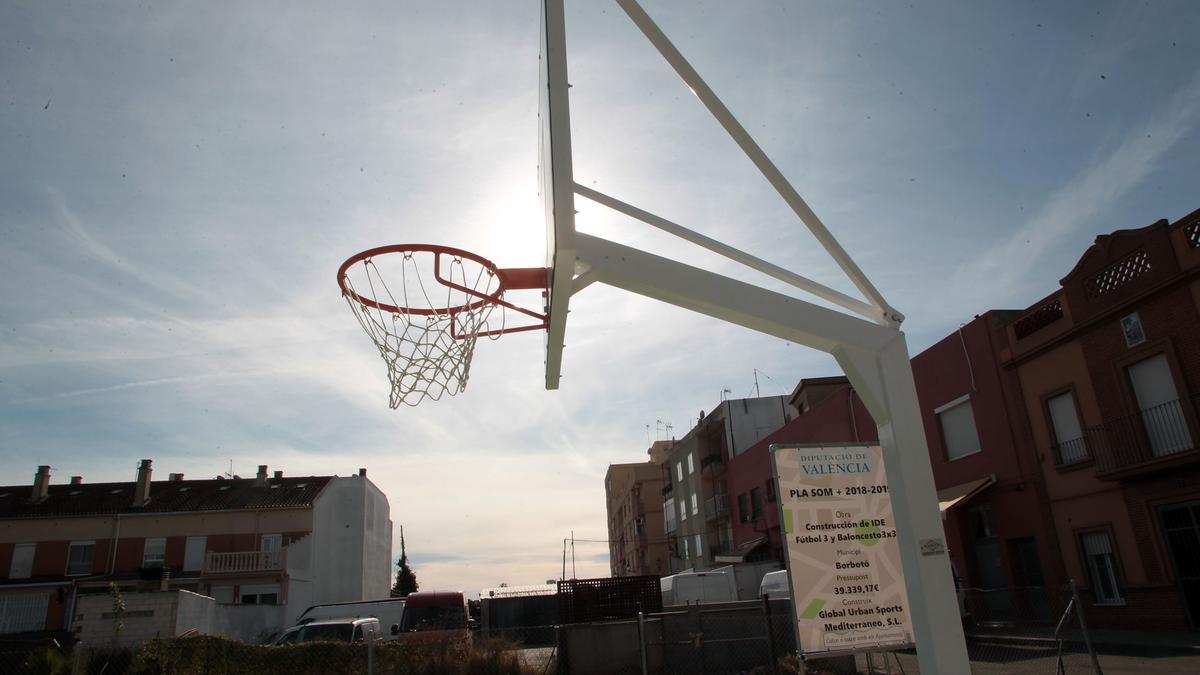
(647, 434)
(725, 393)
(662, 427)
(757, 393)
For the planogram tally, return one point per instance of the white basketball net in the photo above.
(427, 354)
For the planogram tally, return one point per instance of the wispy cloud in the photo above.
(1080, 204)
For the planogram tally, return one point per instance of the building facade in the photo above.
(696, 506)
(292, 541)
(826, 410)
(995, 511)
(1109, 369)
(637, 543)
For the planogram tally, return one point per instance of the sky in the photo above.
(179, 183)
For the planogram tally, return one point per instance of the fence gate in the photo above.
(709, 640)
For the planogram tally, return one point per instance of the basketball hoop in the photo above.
(425, 305)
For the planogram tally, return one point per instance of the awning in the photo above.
(953, 495)
(739, 554)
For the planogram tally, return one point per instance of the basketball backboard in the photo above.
(557, 180)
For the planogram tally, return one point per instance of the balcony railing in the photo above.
(1155, 436)
(1072, 451)
(242, 562)
(667, 488)
(716, 507)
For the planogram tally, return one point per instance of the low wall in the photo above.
(171, 613)
(249, 623)
(146, 615)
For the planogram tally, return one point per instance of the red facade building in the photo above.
(1109, 366)
(996, 515)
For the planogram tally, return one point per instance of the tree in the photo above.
(406, 579)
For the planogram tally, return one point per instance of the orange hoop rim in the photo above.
(438, 251)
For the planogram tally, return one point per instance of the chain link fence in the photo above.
(1013, 631)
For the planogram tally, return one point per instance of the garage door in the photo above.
(21, 612)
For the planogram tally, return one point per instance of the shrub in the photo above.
(209, 655)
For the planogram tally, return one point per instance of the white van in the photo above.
(332, 630)
(775, 584)
(688, 588)
(389, 611)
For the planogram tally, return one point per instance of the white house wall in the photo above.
(749, 420)
(351, 543)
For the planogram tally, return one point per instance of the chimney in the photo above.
(278, 475)
(362, 473)
(41, 483)
(261, 478)
(175, 477)
(76, 480)
(141, 491)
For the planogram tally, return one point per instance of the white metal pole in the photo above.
(768, 169)
(786, 276)
(727, 299)
(876, 361)
(884, 382)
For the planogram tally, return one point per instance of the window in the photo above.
(1102, 568)
(261, 594)
(270, 547)
(691, 464)
(155, 552)
(679, 471)
(669, 515)
(193, 555)
(685, 549)
(79, 558)
(1064, 421)
(744, 507)
(957, 421)
(1162, 415)
(22, 561)
(695, 505)
(699, 549)
(756, 503)
(682, 511)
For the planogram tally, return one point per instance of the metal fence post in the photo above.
(371, 657)
(642, 638)
(766, 608)
(78, 654)
(1087, 638)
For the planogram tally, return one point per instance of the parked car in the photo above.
(775, 584)
(688, 588)
(389, 611)
(434, 615)
(332, 630)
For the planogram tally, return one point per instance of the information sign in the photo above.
(840, 543)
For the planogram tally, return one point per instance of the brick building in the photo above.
(637, 543)
(1109, 366)
(826, 411)
(696, 505)
(995, 510)
(292, 541)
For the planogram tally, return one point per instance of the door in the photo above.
(1162, 416)
(271, 546)
(1181, 524)
(193, 554)
(995, 598)
(1032, 580)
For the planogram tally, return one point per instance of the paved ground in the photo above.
(1014, 661)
